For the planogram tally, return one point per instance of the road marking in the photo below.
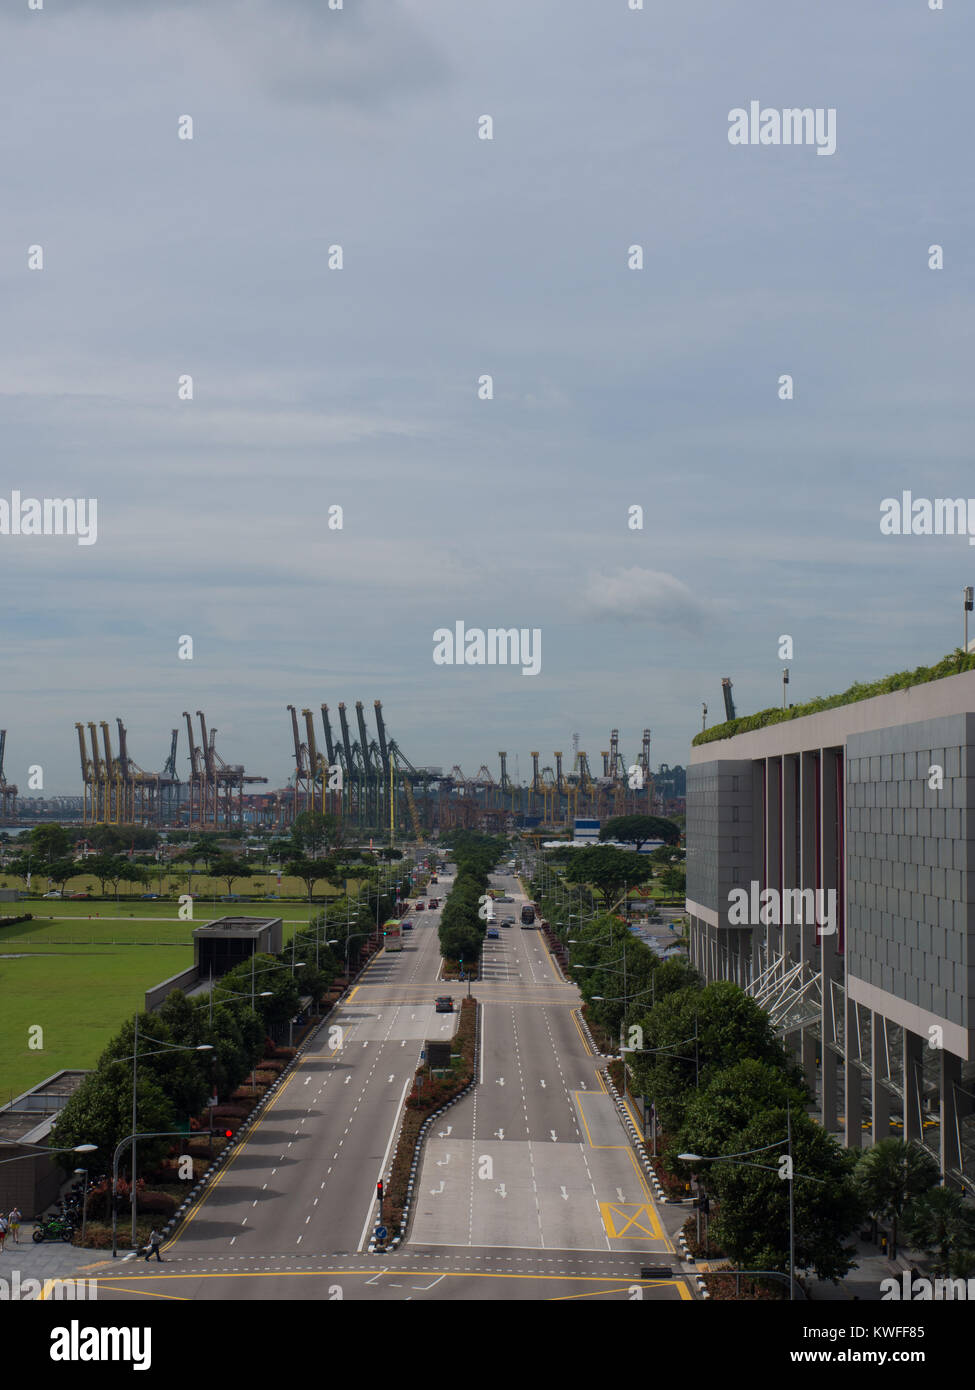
(619, 1218)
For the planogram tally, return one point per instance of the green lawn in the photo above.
(78, 997)
(88, 973)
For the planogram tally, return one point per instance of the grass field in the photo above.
(86, 974)
(175, 882)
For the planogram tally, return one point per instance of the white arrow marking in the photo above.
(445, 1132)
(442, 1162)
(500, 1081)
(564, 1193)
(543, 1083)
(499, 1133)
(347, 1080)
(553, 1134)
(391, 1077)
(619, 1193)
(436, 1191)
(500, 1191)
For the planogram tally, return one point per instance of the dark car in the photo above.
(407, 926)
(507, 921)
(445, 1004)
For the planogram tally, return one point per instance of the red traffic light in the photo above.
(228, 1134)
(379, 1192)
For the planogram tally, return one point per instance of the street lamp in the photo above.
(84, 1201)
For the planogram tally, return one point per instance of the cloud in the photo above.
(649, 596)
(368, 54)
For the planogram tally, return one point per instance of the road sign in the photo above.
(381, 1233)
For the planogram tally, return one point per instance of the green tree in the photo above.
(638, 829)
(941, 1222)
(59, 871)
(50, 842)
(674, 880)
(717, 1114)
(230, 869)
(312, 871)
(313, 834)
(752, 1221)
(891, 1175)
(205, 850)
(607, 868)
(100, 1112)
(703, 1031)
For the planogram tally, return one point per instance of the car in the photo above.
(149, 897)
(420, 907)
(407, 926)
(433, 904)
(433, 878)
(445, 1004)
(493, 934)
(79, 895)
(55, 894)
(507, 921)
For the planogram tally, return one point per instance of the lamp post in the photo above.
(969, 598)
(84, 1201)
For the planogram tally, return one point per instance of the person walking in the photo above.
(155, 1240)
(13, 1221)
(3, 1232)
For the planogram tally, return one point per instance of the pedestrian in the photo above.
(3, 1232)
(155, 1240)
(13, 1221)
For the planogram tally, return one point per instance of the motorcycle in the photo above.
(54, 1228)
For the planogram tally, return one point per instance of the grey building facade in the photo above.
(861, 823)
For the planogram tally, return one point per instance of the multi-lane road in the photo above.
(528, 1187)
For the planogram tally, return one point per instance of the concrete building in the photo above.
(861, 822)
(33, 1179)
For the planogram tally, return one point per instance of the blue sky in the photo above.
(462, 257)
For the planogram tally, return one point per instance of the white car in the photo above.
(51, 895)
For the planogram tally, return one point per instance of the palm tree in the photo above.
(942, 1224)
(893, 1174)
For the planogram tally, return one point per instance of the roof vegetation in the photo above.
(952, 665)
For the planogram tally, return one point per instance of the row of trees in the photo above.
(721, 1082)
(463, 923)
(175, 1085)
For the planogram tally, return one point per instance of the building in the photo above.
(585, 831)
(33, 1180)
(861, 821)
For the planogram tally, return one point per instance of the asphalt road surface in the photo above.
(528, 1188)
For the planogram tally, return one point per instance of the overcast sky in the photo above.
(463, 257)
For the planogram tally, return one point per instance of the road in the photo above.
(528, 1187)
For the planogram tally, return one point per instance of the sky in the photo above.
(462, 258)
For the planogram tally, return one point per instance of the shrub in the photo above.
(157, 1203)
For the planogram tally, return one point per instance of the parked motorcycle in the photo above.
(54, 1228)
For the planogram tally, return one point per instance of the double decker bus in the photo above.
(393, 934)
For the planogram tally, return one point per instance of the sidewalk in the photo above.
(50, 1259)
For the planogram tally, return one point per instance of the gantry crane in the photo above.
(8, 792)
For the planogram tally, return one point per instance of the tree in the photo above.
(50, 842)
(230, 869)
(717, 1114)
(674, 880)
(205, 850)
(607, 868)
(311, 871)
(891, 1175)
(110, 868)
(100, 1112)
(704, 1031)
(313, 834)
(752, 1223)
(942, 1224)
(59, 871)
(638, 829)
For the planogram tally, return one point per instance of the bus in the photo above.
(393, 934)
(527, 915)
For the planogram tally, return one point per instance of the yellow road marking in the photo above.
(147, 1293)
(582, 1112)
(385, 1269)
(352, 995)
(637, 1283)
(633, 1215)
(215, 1183)
(575, 1020)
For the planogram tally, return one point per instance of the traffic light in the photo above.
(228, 1134)
(379, 1192)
